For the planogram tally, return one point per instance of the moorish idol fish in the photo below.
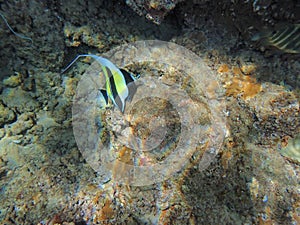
(119, 83)
(283, 37)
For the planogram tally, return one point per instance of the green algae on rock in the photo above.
(23, 101)
(6, 115)
(292, 150)
(13, 81)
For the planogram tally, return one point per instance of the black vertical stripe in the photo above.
(114, 89)
(130, 83)
(127, 76)
(112, 82)
(104, 94)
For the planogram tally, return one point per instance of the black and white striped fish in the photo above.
(120, 84)
(284, 37)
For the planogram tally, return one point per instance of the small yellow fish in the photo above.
(284, 37)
